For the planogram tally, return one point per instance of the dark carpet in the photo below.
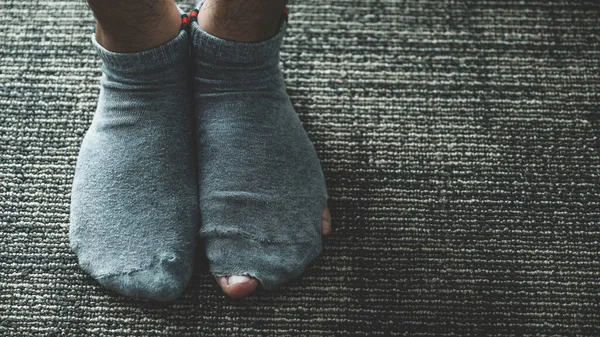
(461, 145)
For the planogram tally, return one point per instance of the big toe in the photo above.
(326, 221)
(237, 286)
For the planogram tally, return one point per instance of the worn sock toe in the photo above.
(262, 189)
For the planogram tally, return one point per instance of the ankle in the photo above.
(139, 36)
(240, 22)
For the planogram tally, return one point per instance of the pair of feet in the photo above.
(196, 144)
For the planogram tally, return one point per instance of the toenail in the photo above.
(237, 279)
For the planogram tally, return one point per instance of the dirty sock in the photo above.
(134, 209)
(262, 189)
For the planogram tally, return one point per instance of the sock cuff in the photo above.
(170, 53)
(211, 48)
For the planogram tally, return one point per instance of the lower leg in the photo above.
(119, 28)
(241, 20)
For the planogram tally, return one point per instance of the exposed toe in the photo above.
(237, 286)
(326, 221)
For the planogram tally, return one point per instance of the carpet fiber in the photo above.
(461, 145)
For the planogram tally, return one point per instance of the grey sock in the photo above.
(262, 189)
(134, 209)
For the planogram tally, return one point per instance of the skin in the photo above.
(118, 29)
(241, 20)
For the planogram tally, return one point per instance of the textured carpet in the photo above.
(460, 140)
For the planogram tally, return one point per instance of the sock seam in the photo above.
(126, 272)
(257, 274)
(155, 261)
(252, 237)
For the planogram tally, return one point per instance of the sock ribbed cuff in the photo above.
(171, 53)
(209, 48)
